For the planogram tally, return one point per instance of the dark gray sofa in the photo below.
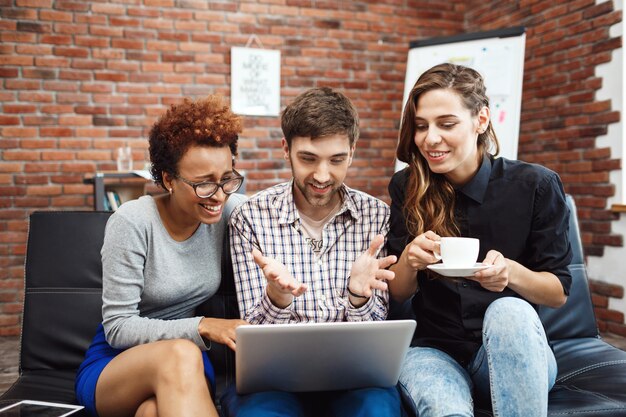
(63, 300)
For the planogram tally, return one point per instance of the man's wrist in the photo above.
(279, 299)
(355, 295)
(357, 300)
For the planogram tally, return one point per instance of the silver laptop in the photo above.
(306, 357)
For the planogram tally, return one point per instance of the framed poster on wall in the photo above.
(255, 81)
(498, 55)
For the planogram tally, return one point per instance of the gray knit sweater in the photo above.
(151, 283)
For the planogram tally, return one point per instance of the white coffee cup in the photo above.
(458, 252)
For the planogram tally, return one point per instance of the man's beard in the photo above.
(314, 199)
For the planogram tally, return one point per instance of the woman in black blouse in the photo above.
(479, 336)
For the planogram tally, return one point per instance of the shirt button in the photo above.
(322, 297)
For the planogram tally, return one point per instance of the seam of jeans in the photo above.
(486, 343)
(589, 368)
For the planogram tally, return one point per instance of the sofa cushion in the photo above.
(591, 381)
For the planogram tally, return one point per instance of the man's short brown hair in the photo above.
(320, 112)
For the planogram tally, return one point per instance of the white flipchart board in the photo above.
(498, 56)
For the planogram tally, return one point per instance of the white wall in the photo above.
(611, 267)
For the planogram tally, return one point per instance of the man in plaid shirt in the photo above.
(308, 250)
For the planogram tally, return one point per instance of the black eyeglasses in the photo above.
(206, 189)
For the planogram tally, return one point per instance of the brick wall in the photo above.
(80, 78)
(609, 320)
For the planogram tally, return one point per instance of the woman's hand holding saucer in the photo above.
(495, 278)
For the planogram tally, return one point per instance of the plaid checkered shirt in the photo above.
(270, 222)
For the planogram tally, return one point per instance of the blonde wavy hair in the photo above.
(430, 200)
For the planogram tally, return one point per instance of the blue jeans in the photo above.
(513, 370)
(365, 402)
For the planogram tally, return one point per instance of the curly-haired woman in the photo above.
(161, 258)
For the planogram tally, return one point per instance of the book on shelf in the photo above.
(106, 206)
(114, 200)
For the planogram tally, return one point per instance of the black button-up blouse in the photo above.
(516, 208)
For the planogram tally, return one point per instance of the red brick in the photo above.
(78, 6)
(69, 201)
(93, 155)
(56, 109)
(55, 16)
(107, 8)
(31, 179)
(597, 10)
(609, 290)
(616, 328)
(57, 155)
(33, 27)
(91, 132)
(36, 97)
(127, 44)
(76, 120)
(56, 39)
(600, 301)
(601, 153)
(75, 143)
(78, 189)
(71, 52)
(55, 132)
(8, 72)
(32, 202)
(106, 31)
(18, 132)
(10, 331)
(9, 120)
(52, 62)
(16, 60)
(136, 11)
(41, 167)
(60, 86)
(38, 143)
(90, 41)
(610, 316)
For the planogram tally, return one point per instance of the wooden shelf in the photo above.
(127, 185)
(618, 208)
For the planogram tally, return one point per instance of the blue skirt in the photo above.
(99, 354)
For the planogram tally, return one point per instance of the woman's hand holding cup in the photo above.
(421, 251)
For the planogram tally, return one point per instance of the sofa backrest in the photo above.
(63, 293)
(62, 288)
(576, 318)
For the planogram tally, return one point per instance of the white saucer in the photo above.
(441, 269)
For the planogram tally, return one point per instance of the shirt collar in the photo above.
(289, 213)
(477, 187)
